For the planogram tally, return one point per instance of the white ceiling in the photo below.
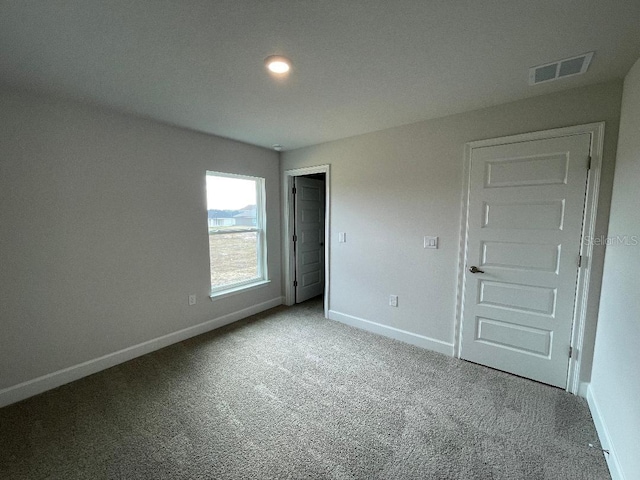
(358, 65)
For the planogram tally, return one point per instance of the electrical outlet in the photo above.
(192, 299)
(393, 300)
(430, 242)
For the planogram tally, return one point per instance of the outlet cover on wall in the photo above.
(393, 300)
(192, 299)
(430, 242)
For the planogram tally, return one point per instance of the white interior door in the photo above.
(525, 215)
(309, 198)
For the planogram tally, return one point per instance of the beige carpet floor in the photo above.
(288, 394)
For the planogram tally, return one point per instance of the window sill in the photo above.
(239, 289)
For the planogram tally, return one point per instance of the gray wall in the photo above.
(616, 370)
(103, 231)
(392, 187)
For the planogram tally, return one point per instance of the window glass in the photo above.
(236, 225)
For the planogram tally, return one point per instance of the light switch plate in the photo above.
(430, 242)
(342, 237)
(393, 300)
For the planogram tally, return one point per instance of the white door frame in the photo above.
(288, 221)
(584, 311)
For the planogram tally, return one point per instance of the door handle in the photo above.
(475, 269)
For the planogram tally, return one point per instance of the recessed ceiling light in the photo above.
(277, 64)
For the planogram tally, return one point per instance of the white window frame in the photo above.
(260, 229)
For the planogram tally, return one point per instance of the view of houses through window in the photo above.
(237, 248)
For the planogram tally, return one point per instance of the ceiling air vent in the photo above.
(560, 69)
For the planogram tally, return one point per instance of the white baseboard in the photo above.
(38, 385)
(583, 389)
(395, 333)
(605, 439)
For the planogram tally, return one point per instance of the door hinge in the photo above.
(294, 190)
(295, 283)
(295, 238)
(579, 261)
(570, 352)
(589, 163)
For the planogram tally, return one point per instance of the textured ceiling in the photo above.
(358, 65)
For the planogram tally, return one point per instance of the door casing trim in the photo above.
(289, 264)
(585, 312)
